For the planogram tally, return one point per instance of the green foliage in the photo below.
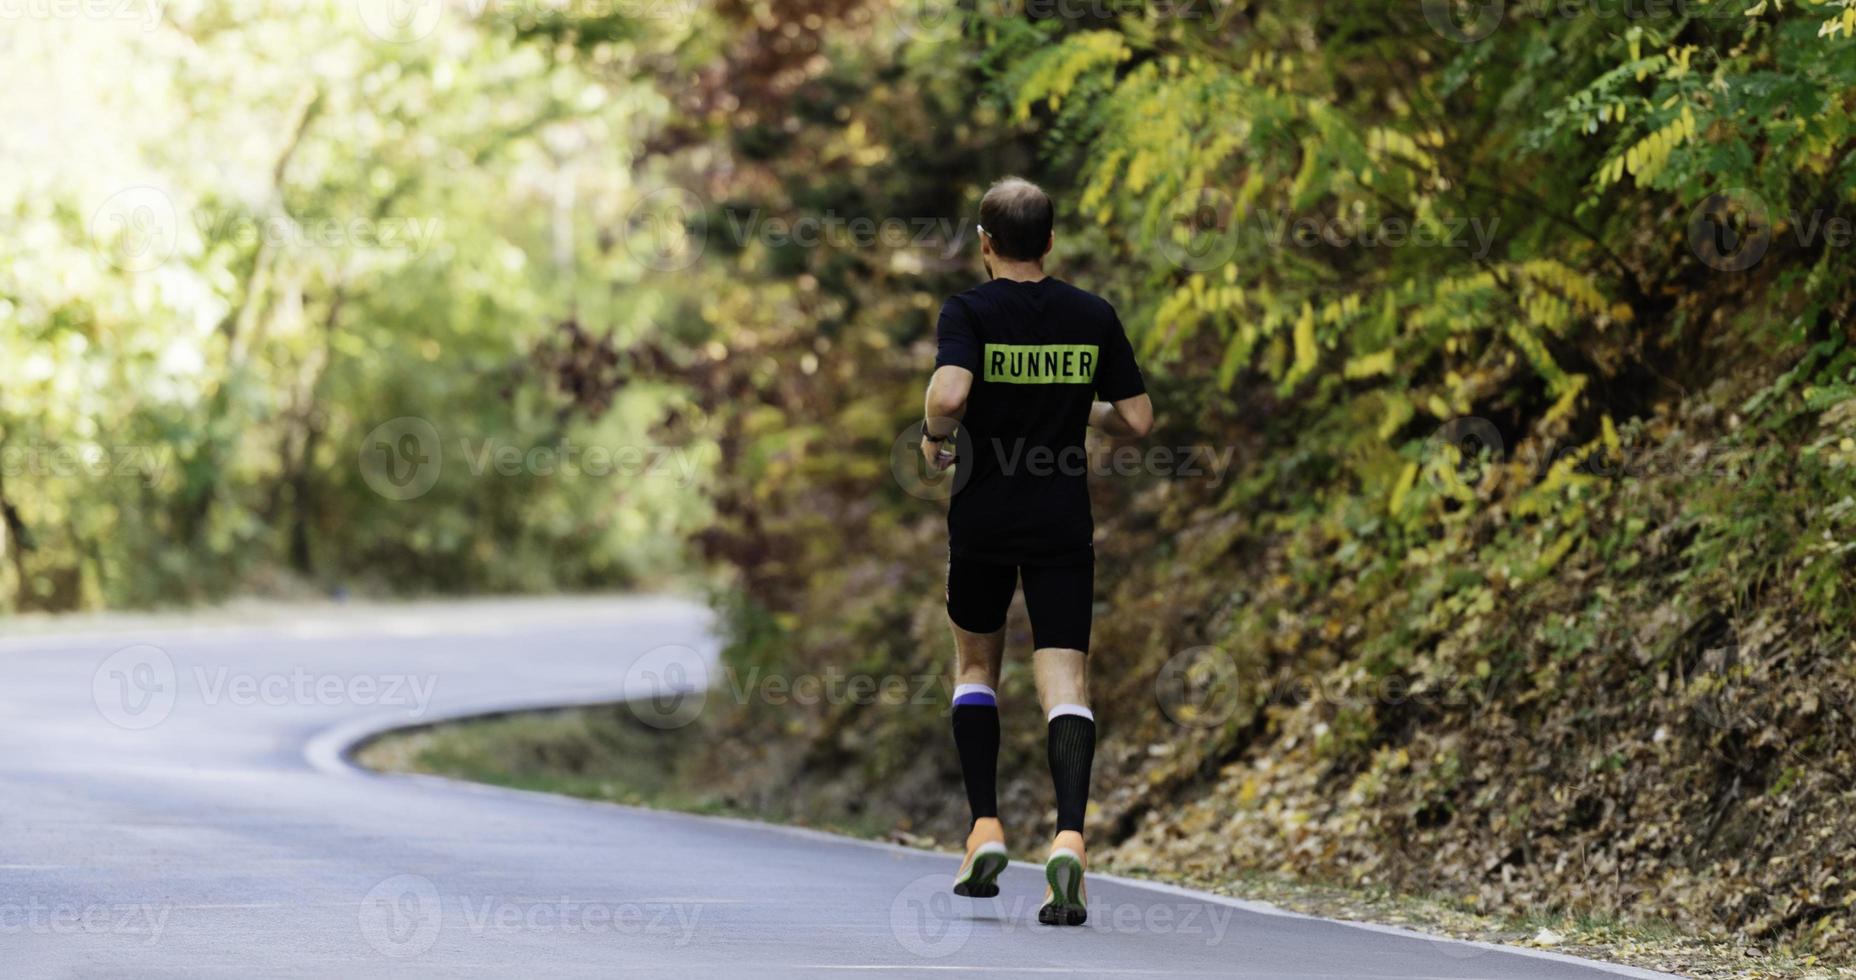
(213, 291)
(1517, 655)
(1602, 663)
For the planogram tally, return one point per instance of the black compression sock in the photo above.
(1072, 750)
(976, 737)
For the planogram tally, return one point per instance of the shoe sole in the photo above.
(1064, 873)
(982, 880)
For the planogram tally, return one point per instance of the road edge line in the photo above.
(333, 750)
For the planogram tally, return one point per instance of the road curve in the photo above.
(175, 802)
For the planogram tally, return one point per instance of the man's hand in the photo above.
(938, 454)
(1130, 418)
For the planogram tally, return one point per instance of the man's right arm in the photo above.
(1125, 410)
(1129, 418)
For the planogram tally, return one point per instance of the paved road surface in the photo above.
(173, 803)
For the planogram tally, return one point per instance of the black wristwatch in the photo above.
(931, 437)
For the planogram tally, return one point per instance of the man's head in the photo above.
(1015, 218)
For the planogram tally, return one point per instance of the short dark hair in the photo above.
(1017, 215)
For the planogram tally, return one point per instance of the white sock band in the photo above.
(974, 694)
(1070, 709)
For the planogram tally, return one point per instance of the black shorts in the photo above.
(1060, 599)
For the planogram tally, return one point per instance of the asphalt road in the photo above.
(174, 801)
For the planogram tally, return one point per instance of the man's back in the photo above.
(1022, 359)
(1041, 352)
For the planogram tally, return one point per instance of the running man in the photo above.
(1022, 359)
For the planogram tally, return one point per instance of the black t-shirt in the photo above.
(1041, 353)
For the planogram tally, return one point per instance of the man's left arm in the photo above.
(957, 354)
(942, 409)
